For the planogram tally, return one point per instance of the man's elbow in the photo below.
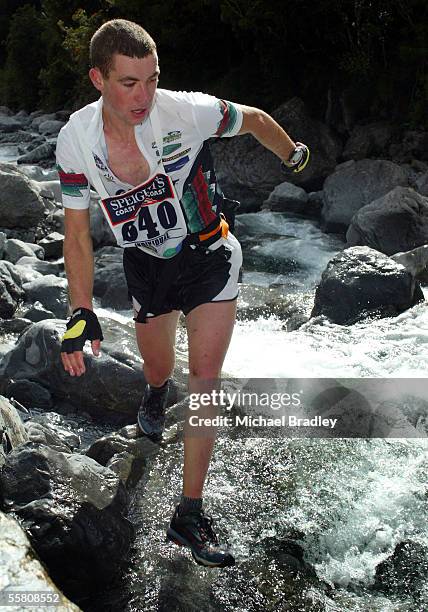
(253, 120)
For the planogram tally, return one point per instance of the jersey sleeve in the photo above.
(74, 184)
(215, 117)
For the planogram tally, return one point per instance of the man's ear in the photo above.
(96, 78)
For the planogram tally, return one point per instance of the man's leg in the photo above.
(209, 330)
(156, 341)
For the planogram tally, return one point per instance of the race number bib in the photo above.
(148, 216)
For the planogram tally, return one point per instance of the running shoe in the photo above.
(151, 414)
(194, 529)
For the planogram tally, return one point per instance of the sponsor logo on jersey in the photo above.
(126, 206)
(171, 136)
(171, 148)
(177, 165)
(176, 156)
(101, 166)
(72, 183)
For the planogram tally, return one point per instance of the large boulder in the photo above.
(21, 570)
(20, 203)
(404, 572)
(112, 385)
(52, 245)
(14, 249)
(41, 118)
(248, 172)
(11, 292)
(354, 185)
(51, 292)
(395, 222)
(43, 153)
(359, 282)
(9, 124)
(415, 261)
(73, 510)
(51, 127)
(369, 140)
(287, 197)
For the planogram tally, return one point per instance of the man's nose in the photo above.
(142, 95)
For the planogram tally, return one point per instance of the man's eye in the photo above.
(129, 84)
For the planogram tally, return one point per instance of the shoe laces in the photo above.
(154, 405)
(205, 529)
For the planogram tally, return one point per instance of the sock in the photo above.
(189, 504)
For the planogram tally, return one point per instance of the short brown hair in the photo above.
(118, 36)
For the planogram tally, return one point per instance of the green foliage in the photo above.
(257, 52)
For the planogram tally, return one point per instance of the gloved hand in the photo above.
(298, 159)
(83, 325)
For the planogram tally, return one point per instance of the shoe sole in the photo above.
(176, 538)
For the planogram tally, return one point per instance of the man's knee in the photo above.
(157, 374)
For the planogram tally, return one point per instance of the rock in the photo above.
(244, 162)
(42, 153)
(2, 243)
(287, 197)
(28, 393)
(73, 509)
(422, 184)
(123, 452)
(369, 141)
(9, 124)
(359, 282)
(15, 249)
(20, 203)
(413, 145)
(19, 137)
(405, 572)
(108, 268)
(63, 115)
(23, 149)
(395, 222)
(51, 292)
(41, 435)
(21, 569)
(354, 185)
(415, 261)
(4, 110)
(27, 265)
(61, 428)
(100, 229)
(112, 385)
(51, 127)
(39, 119)
(37, 312)
(51, 190)
(11, 292)
(14, 326)
(52, 245)
(12, 430)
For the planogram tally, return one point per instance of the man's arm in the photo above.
(267, 131)
(79, 266)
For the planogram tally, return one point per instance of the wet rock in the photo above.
(9, 124)
(60, 427)
(51, 292)
(11, 292)
(244, 162)
(20, 203)
(109, 266)
(287, 197)
(415, 262)
(52, 245)
(421, 184)
(51, 127)
(41, 435)
(369, 140)
(124, 453)
(27, 265)
(14, 326)
(15, 249)
(360, 281)
(21, 568)
(18, 137)
(113, 382)
(43, 153)
(12, 430)
(405, 572)
(37, 120)
(73, 510)
(37, 312)
(28, 393)
(354, 185)
(51, 189)
(395, 222)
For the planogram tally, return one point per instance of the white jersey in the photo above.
(187, 120)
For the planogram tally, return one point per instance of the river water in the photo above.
(347, 503)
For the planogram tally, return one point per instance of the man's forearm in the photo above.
(267, 131)
(79, 267)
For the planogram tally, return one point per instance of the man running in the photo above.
(144, 150)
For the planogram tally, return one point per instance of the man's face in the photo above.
(129, 90)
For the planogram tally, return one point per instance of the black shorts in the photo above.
(200, 275)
